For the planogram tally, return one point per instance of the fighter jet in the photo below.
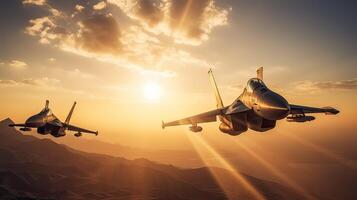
(47, 123)
(257, 108)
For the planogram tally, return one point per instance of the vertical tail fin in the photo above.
(47, 104)
(216, 91)
(70, 113)
(260, 73)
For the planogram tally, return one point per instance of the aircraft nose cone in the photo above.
(34, 121)
(274, 107)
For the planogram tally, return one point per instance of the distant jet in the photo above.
(257, 108)
(47, 123)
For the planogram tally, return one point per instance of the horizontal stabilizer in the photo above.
(20, 125)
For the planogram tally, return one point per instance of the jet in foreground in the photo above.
(47, 123)
(257, 108)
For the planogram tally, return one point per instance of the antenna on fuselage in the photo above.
(260, 73)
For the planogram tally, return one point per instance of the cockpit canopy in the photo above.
(46, 111)
(255, 83)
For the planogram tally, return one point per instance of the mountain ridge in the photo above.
(42, 169)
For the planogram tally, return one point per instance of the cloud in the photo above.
(17, 64)
(7, 82)
(55, 12)
(350, 84)
(79, 8)
(41, 82)
(39, 25)
(51, 59)
(187, 21)
(99, 37)
(34, 2)
(150, 12)
(72, 74)
(100, 5)
(45, 81)
(99, 34)
(45, 5)
(135, 44)
(46, 29)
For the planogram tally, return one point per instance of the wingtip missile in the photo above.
(331, 110)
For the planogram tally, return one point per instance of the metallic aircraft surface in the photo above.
(47, 123)
(257, 108)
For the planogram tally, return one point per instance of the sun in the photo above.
(152, 91)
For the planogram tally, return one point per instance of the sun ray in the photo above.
(201, 143)
(184, 14)
(171, 43)
(276, 172)
(203, 158)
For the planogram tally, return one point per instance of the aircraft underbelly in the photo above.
(234, 124)
(56, 131)
(258, 123)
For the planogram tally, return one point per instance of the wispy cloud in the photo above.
(41, 82)
(35, 2)
(349, 84)
(44, 4)
(100, 5)
(17, 64)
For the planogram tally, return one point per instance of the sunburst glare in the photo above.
(152, 91)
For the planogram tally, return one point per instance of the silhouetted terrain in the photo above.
(182, 158)
(42, 169)
(313, 170)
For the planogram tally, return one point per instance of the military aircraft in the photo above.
(47, 123)
(257, 108)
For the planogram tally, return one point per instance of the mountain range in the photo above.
(33, 168)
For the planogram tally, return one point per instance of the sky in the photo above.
(130, 64)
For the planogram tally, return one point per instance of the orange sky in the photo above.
(103, 57)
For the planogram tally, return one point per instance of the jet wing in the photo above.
(77, 129)
(209, 116)
(296, 109)
(20, 125)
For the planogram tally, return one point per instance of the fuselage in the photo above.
(46, 123)
(40, 119)
(265, 103)
(265, 108)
